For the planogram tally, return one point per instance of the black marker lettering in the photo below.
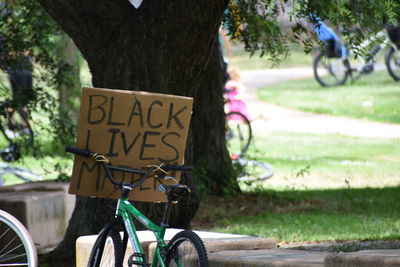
(101, 114)
(102, 181)
(88, 139)
(164, 141)
(138, 113)
(149, 114)
(87, 167)
(125, 146)
(146, 145)
(175, 116)
(111, 152)
(110, 122)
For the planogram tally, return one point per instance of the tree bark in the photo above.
(212, 161)
(164, 46)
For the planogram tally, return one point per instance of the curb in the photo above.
(267, 257)
(214, 243)
(364, 258)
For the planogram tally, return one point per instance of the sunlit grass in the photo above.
(306, 161)
(373, 97)
(317, 215)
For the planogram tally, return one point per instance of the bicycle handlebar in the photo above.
(171, 167)
(78, 151)
(108, 167)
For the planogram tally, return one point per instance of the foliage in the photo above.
(26, 29)
(254, 24)
(268, 26)
(241, 60)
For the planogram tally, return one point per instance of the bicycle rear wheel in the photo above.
(238, 133)
(107, 250)
(186, 249)
(253, 170)
(16, 245)
(392, 61)
(330, 71)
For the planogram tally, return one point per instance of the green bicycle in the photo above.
(185, 248)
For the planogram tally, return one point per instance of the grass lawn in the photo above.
(373, 97)
(308, 215)
(309, 161)
(325, 187)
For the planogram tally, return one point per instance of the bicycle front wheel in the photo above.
(16, 245)
(238, 133)
(107, 250)
(186, 249)
(329, 71)
(392, 61)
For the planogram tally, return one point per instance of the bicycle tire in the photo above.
(186, 249)
(254, 170)
(392, 61)
(16, 244)
(107, 249)
(238, 133)
(329, 71)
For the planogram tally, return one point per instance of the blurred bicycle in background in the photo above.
(332, 64)
(238, 134)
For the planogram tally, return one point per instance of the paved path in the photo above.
(284, 119)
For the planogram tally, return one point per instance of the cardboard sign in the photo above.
(132, 129)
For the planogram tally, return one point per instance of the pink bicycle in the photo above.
(238, 136)
(238, 131)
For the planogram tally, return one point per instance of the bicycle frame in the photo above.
(366, 64)
(383, 40)
(126, 210)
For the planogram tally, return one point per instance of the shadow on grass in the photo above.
(306, 216)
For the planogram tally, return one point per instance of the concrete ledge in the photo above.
(238, 243)
(43, 207)
(267, 257)
(364, 258)
(213, 241)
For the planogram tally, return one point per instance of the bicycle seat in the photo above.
(175, 191)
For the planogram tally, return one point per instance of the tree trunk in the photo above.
(212, 161)
(164, 46)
